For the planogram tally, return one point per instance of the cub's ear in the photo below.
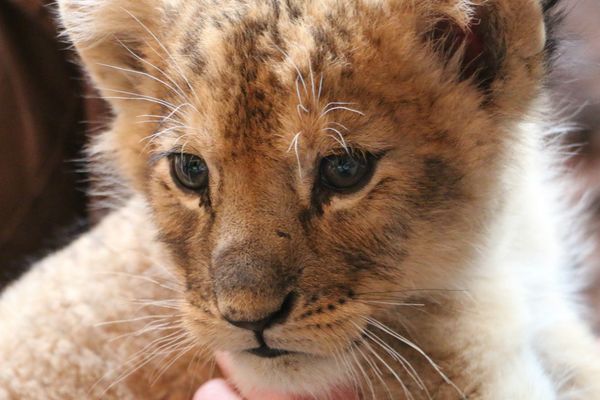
(111, 36)
(484, 40)
(121, 44)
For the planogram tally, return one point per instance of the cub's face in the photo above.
(313, 166)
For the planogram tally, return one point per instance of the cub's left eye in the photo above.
(346, 172)
(189, 171)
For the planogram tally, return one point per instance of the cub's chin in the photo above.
(291, 374)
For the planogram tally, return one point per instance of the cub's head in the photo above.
(311, 165)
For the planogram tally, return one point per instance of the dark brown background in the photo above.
(42, 196)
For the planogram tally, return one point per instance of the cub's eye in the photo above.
(189, 171)
(346, 172)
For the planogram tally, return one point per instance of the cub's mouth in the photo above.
(264, 351)
(268, 352)
(306, 345)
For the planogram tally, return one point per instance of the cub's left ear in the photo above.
(116, 39)
(481, 41)
(111, 37)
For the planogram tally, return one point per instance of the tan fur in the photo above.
(433, 248)
(80, 321)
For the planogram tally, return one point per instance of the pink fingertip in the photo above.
(216, 389)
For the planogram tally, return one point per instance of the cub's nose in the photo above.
(277, 317)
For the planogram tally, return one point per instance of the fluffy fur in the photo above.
(83, 320)
(445, 276)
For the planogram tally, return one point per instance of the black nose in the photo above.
(278, 317)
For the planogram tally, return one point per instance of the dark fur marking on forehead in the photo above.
(193, 55)
(334, 19)
(326, 45)
(276, 8)
(231, 18)
(331, 38)
(190, 48)
(218, 24)
(293, 10)
(252, 96)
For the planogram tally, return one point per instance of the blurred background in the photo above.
(46, 116)
(48, 112)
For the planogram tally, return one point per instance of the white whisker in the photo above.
(400, 359)
(312, 81)
(123, 321)
(183, 349)
(175, 64)
(364, 373)
(178, 92)
(152, 138)
(340, 125)
(393, 303)
(288, 58)
(340, 138)
(133, 71)
(410, 370)
(324, 113)
(376, 371)
(388, 367)
(136, 364)
(320, 88)
(295, 144)
(300, 107)
(143, 278)
(404, 340)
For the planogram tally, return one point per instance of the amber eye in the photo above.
(189, 171)
(346, 172)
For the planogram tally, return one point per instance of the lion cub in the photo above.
(352, 193)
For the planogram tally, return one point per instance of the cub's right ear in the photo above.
(110, 36)
(497, 45)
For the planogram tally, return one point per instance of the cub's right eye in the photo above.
(189, 172)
